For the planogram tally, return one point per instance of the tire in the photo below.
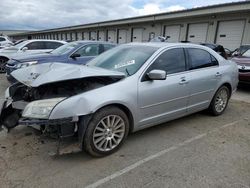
(106, 131)
(220, 101)
(3, 62)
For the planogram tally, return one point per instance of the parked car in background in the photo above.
(126, 89)
(79, 52)
(5, 41)
(218, 48)
(242, 49)
(243, 62)
(27, 47)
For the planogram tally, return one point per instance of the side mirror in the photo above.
(24, 49)
(157, 75)
(74, 56)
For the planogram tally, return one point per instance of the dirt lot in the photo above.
(195, 151)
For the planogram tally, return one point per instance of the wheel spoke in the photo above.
(109, 132)
(118, 126)
(99, 134)
(104, 124)
(101, 143)
(99, 139)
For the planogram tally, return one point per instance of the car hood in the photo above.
(241, 60)
(41, 74)
(8, 51)
(34, 57)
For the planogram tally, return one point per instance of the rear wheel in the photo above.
(220, 101)
(106, 131)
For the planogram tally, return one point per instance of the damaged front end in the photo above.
(32, 104)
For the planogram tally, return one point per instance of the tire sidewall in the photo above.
(88, 138)
(212, 106)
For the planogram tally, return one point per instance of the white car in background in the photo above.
(27, 47)
(5, 41)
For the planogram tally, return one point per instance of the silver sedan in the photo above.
(126, 89)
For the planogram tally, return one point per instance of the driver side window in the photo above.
(88, 50)
(171, 61)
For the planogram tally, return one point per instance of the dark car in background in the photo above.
(78, 52)
(243, 62)
(218, 48)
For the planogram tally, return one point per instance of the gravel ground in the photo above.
(195, 151)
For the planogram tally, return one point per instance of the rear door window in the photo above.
(89, 50)
(38, 45)
(52, 45)
(199, 58)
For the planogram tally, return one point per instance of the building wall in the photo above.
(155, 28)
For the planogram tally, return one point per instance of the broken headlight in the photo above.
(41, 109)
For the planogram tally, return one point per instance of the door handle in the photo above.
(183, 81)
(218, 74)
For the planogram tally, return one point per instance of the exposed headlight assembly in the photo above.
(41, 109)
(26, 64)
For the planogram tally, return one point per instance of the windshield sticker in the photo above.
(131, 62)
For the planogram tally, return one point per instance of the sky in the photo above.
(45, 14)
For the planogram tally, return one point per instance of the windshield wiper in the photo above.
(127, 72)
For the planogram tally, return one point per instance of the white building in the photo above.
(226, 24)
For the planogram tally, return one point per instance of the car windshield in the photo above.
(20, 45)
(65, 48)
(244, 48)
(246, 54)
(125, 58)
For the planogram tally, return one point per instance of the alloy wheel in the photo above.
(221, 100)
(109, 132)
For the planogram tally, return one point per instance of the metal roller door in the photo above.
(93, 35)
(172, 33)
(73, 36)
(197, 32)
(111, 36)
(64, 36)
(137, 35)
(68, 36)
(229, 33)
(86, 35)
(101, 35)
(79, 36)
(122, 36)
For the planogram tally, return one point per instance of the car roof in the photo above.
(46, 40)
(165, 44)
(91, 41)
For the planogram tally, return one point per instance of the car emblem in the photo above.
(243, 67)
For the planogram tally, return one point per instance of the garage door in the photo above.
(137, 35)
(111, 36)
(64, 36)
(79, 36)
(73, 36)
(86, 35)
(230, 33)
(101, 35)
(93, 35)
(172, 33)
(122, 36)
(197, 32)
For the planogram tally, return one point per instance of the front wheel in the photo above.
(106, 131)
(220, 101)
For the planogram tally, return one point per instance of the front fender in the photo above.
(91, 101)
